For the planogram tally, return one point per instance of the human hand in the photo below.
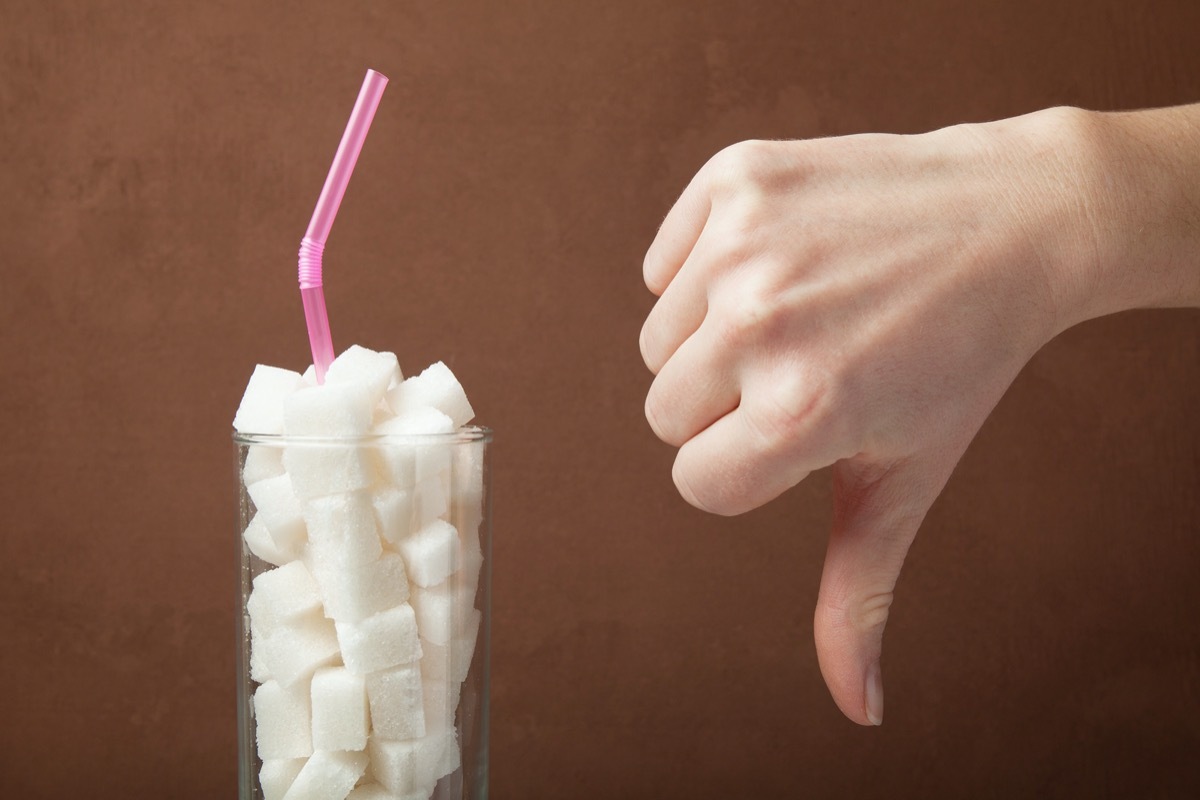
(862, 302)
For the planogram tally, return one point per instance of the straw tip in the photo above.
(376, 75)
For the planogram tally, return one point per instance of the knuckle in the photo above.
(651, 273)
(742, 163)
(695, 493)
(871, 612)
(746, 319)
(854, 615)
(787, 409)
(656, 417)
(646, 346)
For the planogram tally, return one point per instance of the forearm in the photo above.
(1145, 211)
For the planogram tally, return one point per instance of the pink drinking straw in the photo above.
(313, 243)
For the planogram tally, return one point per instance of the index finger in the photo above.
(677, 235)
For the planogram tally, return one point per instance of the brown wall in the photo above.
(158, 163)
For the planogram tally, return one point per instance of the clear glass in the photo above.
(363, 632)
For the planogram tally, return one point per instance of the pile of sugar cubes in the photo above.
(362, 620)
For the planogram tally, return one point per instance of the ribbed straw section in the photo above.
(310, 263)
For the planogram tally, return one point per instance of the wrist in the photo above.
(1129, 200)
(1153, 162)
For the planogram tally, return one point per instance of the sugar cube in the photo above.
(327, 776)
(342, 530)
(451, 662)
(283, 721)
(339, 710)
(377, 371)
(282, 594)
(258, 666)
(436, 387)
(277, 775)
(279, 507)
(440, 701)
(375, 791)
(380, 641)
(430, 501)
(261, 409)
(430, 554)
(462, 647)
(397, 706)
(259, 541)
(294, 650)
(322, 468)
(393, 763)
(410, 769)
(470, 558)
(393, 512)
(441, 610)
(404, 462)
(262, 461)
(332, 409)
(355, 592)
(467, 486)
(450, 755)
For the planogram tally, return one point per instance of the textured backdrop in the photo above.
(158, 164)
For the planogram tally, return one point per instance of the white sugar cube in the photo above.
(440, 701)
(397, 706)
(294, 650)
(394, 461)
(259, 541)
(411, 768)
(436, 387)
(342, 530)
(324, 468)
(470, 558)
(450, 756)
(430, 554)
(430, 501)
(283, 721)
(378, 371)
(355, 592)
(442, 611)
(467, 486)
(403, 462)
(262, 462)
(435, 661)
(462, 647)
(282, 594)
(328, 776)
(261, 409)
(394, 763)
(433, 460)
(277, 775)
(332, 409)
(339, 710)
(451, 662)
(375, 791)
(393, 512)
(258, 666)
(380, 641)
(279, 507)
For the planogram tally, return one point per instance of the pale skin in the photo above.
(863, 302)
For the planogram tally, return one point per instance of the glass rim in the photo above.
(461, 436)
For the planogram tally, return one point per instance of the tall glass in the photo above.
(364, 616)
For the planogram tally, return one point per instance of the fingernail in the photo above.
(874, 692)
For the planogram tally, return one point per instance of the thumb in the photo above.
(877, 510)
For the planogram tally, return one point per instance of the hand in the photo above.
(861, 302)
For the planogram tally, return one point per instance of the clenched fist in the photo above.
(863, 303)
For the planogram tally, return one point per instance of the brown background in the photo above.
(158, 164)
